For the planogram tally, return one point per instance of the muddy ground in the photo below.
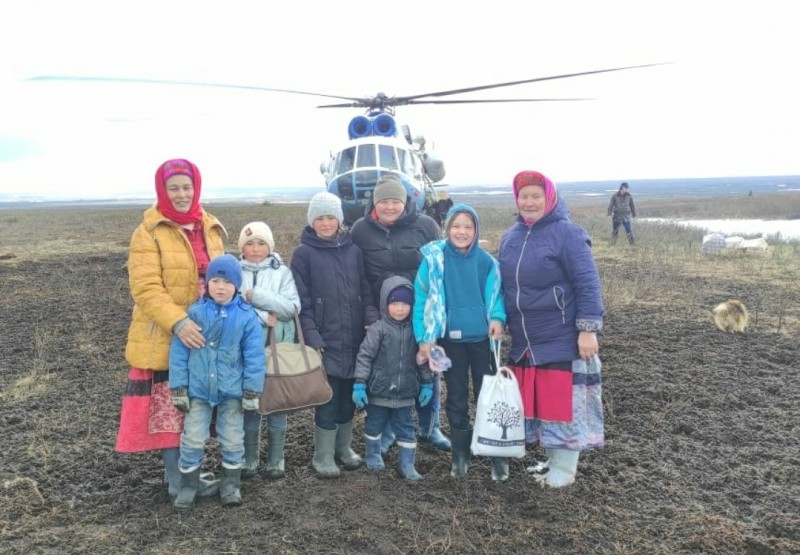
(702, 452)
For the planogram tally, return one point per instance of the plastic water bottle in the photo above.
(439, 361)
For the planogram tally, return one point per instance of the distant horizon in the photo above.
(697, 186)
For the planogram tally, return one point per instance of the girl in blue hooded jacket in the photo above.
(555, 310)
(459, 305)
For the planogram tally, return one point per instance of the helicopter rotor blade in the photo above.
(400, 100)
(476, 101)
(185, 84)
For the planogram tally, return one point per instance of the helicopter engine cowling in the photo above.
(434, 167)
(384, 126)
(360, 126)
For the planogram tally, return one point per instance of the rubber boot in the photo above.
(275, 462)
(346, 456)
(324, 445)
(251, 446)
(563, 467)
(460, 451)
(430, 431)
(190, 483)
(209, 487)
(172, 474)
(406, 456)
(387, 439)
(372, 448)
(229, 492)
(500, 471)
(631, 240)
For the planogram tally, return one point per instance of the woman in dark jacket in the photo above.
(554, 311)
(390, 235)
(335, 307)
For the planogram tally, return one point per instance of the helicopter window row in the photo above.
(390, 158)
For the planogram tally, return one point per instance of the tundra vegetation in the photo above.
(702, 431)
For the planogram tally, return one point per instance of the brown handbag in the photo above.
(295, 378)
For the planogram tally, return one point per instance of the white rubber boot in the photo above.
(563, 467)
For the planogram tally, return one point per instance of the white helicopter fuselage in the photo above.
(352, 172)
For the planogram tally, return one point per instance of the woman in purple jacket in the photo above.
(554, 311)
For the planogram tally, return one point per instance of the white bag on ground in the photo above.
(499, 429)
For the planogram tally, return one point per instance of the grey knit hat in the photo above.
(324, 204)
(387, 187)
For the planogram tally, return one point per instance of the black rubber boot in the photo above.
(190, 482)
(500, 469)
(461, 440)
(229, 492)
(251, 446)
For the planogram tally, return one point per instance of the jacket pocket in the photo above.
(319, 312)
(467, 323)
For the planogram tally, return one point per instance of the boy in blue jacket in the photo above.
(226, 373)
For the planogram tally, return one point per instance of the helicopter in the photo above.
(376, 144)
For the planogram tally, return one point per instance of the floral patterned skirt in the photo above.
(545, 400)
(148, 421)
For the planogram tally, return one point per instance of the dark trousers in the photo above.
(469, 359)
(340, 409)
(615, 228)
(398, 417)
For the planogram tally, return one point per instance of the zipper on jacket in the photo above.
(560, 301)
(516, 278)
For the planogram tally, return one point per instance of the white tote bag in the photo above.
(499, 429)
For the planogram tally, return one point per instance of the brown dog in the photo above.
(731, 316)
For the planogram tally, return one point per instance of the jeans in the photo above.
(399, 417)
(230, 433)
(340, 409)
(275, 422)
(468, 359)
(615, 227)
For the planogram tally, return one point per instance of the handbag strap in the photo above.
(495, 345)
(301, 340)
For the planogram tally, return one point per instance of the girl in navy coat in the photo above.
(335, 308)
(555, 310)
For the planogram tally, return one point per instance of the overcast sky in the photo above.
(727, 105)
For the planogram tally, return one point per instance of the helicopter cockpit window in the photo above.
(346, 159)
(366, 156)
(406, 164)
(387, 157)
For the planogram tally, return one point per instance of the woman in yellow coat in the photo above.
(167, 261)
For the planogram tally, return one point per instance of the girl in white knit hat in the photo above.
(269, 286)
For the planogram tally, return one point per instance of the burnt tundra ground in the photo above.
(702, 447)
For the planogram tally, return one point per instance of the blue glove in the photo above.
(425, 394)
(360, 395)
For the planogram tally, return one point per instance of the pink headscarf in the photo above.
(165, 171)
(528, 177)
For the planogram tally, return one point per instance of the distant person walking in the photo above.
(621, 208)
(169, 254)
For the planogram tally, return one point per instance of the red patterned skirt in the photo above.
(148, 421)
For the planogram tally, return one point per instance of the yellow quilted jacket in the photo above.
(163, 280)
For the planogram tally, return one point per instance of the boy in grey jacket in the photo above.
(387, 368)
